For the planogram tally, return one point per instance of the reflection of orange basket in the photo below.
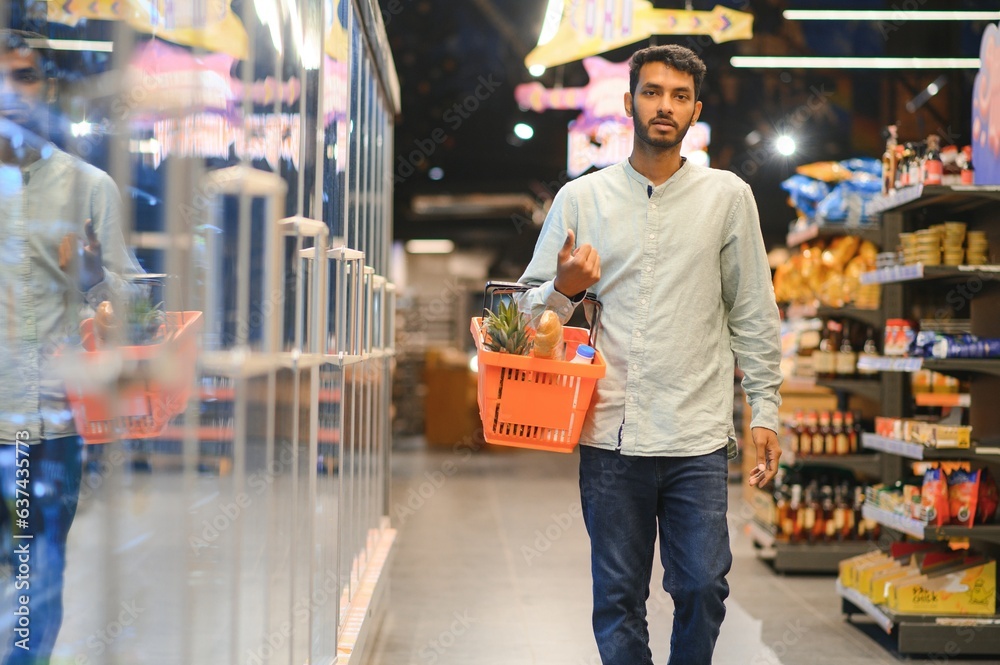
(536, 403)
(143, 407)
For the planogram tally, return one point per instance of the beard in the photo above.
(644, 135)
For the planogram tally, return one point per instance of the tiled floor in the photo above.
(492, 568)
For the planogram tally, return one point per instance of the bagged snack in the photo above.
(934, 498)
(963, 489)
(549, 337)
(986, 507)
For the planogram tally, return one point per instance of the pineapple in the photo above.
(507, 331)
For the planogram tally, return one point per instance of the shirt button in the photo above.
(642, 301)
(649, 268)
(631, 399)
(638, 333)
(635, 366)
(652, 236)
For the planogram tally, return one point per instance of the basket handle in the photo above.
(495, 287)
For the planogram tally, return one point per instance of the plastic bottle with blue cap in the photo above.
(584, 355)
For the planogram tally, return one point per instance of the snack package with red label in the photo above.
(986, 508)
(963, 489)
(934, 498)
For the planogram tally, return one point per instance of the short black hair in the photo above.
(21, 41)
(672, 55)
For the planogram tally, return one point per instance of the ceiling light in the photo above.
(523, 131)
(80, 128)
(796, 62)
(436, 173)
(536, 70)
(896, 15)
(71, 45)
(785, 145)
(430, 246)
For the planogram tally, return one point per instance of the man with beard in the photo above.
(62, 249)
(674, 252)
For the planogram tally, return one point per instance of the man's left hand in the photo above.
(92, 266)
(768, 453)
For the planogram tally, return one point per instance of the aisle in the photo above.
(492, 568)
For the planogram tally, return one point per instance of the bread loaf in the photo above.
(549, 337)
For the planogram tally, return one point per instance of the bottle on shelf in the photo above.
(824, 358)
(843, 443)
(843, 514)
(798, 425)
(868, 350)
(860, 523)
(796, 514)
(829, 439)
(852, 429)
(812, 527)
(830, 530)
(968, 172)
(818, 437)
(933, 166)
(847, 360)
(806, 434)
(783, 523)
(915, 176)
(889, 161)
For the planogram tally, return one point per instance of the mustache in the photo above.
(662, 119)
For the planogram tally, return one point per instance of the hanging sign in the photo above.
(590, 27)
(210, 24)
(602, 134)
(986, 111)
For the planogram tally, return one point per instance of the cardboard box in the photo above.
(971, 590)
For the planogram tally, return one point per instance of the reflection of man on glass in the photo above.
(61, 249)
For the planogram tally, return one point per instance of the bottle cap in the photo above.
(585, 351)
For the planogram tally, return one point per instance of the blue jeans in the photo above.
(624, 500)
(53, 491)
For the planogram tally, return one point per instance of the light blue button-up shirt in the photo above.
(685, 285)
(40, 305)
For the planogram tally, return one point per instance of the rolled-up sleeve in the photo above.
(753, 319)
(541, 271)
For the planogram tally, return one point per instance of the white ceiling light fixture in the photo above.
(430, 246)
(71, 45)
(524, 131)
(785, 145)
(891, 15)
(536, 70)
(797, 62)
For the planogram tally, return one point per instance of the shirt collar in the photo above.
(644, 181)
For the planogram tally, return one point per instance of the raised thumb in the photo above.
(567, 248)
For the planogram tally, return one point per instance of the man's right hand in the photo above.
(579, 268)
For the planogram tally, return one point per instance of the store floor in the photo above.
(492, 568)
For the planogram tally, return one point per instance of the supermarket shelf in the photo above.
(865, 604)
(803, 557)
(864, 387)
(820, 231)
(920, 452)
(918, 196)
(964, 365)
(891, 363)
(870, 463)
(923, 531)
(943, 399)
(910, 527)
(944, 365)
(871, 317)
(928, 634)
(917, 271)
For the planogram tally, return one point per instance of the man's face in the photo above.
(663, 107)
(22, 86)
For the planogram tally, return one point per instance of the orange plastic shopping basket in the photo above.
(537, 403)
(142, 408)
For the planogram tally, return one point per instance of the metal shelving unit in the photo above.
(872, 389)
(803, 557)
(816, 231)
(907, 290)
(922, 634)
